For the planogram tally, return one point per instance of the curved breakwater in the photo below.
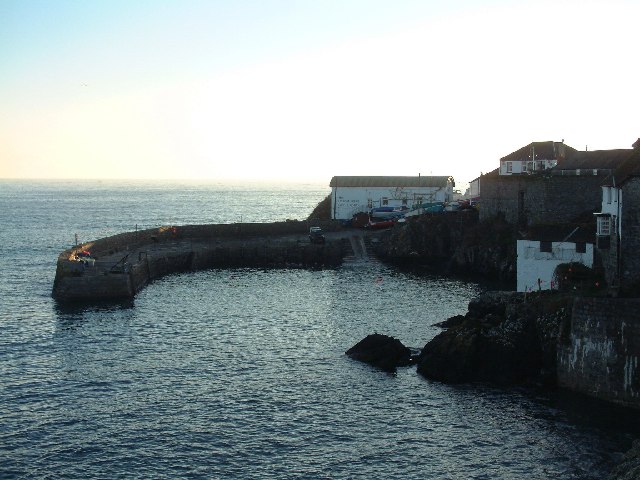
(119, 266)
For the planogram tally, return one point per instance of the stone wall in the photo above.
(125, 263)
(598, 353)
(607, 259)
(630, 246)
(93, 287)
(537, 199)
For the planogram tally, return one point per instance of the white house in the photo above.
(538, 259)
(473, 192)
(535, 157)
(608, 218)
(351, 195)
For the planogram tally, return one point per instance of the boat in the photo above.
(387, 212)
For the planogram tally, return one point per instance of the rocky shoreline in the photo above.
(453, 243)
(505, 338)
(543, 339)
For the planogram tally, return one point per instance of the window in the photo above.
(370, 203)
(581, 247)
(385, 201)
(404, 201)
(608, 194)
(604, 226)
(509, 167)
(545, 247)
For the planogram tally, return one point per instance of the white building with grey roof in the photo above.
(354, 194)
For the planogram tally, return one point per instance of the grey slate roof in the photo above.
(543, 151)
(382, 181)
(601, 159)
(629, 168)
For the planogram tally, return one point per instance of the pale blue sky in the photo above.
(304, 90)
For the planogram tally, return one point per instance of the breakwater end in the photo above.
(119, 266)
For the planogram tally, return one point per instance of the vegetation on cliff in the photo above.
(322, 210)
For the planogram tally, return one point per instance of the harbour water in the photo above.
(242, 373)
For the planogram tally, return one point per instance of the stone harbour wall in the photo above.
(123, 264)
(599, 352)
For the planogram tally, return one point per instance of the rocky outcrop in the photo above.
(629, 467)
(504, 338)
(381, 351)
(322, 211)
(453, 242)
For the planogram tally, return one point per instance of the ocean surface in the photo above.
(242, 373)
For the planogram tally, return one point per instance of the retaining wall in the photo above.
(599, 354)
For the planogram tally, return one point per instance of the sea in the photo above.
(225, 374)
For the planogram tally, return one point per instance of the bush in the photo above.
(576, 277)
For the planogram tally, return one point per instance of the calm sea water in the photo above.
(242, 374)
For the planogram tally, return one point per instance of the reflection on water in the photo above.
(242, 374)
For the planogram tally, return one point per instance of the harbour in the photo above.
(241, 372)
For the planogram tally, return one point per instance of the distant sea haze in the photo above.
(242, 373)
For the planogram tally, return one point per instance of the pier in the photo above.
(119, 266)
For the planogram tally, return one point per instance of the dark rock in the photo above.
(381, 351)
(451, 322)
(453, 242)
(629, 467)
(322, 210)
(503, 339)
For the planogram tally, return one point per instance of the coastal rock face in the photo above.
(504, 338)
(381, 351)
(629, 467)
(453, 242)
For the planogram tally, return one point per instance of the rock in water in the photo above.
(629, 468)
(381, 351)
(503, 339)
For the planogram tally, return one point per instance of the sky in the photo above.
(302, 90)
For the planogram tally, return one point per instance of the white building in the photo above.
(535, 157)
(537, 261)
(608, 218)
(351, 195)
(473, 191)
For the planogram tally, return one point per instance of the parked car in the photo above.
(316, 235)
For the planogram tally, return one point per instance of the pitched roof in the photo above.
(542, 150)
(382, 181)
(627, 169)
(600, 159)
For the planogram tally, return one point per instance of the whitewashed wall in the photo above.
(533, 264)
(347, 201)
(525, 166)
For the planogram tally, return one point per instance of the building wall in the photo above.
(474, 188)
(532, 264)
(611, 197)
(525, 166)
(347, 201)
(539, 199)
(630, 233)
(599, 354)
(608, 258)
